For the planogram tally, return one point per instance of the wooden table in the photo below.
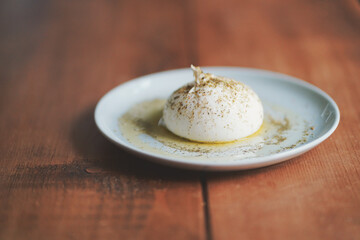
(61, 179)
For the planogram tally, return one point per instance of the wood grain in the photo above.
(60, 179)
(315, 196)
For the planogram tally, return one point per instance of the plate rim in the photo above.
(255, 162)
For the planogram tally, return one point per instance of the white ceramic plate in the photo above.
(304, 99)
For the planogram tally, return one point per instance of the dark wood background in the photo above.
(61, 179)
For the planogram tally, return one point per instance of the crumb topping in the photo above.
(195, 95)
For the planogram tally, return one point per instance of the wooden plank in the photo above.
(317, 195)
(59, 178)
